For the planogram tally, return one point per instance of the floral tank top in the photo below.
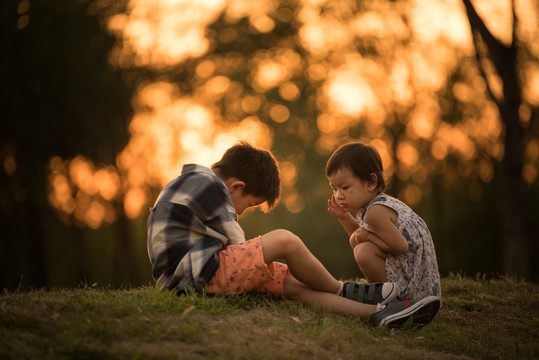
(416, 271)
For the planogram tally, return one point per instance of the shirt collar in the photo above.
(191, 168)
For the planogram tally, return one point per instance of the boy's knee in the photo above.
(281, 244)
(286, 237)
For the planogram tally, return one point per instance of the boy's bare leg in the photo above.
(282, 244)
(295, 290)
(371, 261)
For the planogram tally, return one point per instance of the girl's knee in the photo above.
(364, 252)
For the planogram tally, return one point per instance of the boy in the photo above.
(195, 241)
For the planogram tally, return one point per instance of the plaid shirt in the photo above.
(193, 218)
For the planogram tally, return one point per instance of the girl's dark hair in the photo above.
(257, 168)
(362, 160)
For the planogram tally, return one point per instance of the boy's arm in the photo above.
(348, 222)
(385, 235)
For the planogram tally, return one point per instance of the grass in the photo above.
(479, 319)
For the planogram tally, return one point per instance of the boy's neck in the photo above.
(228, 182)
(217, 173)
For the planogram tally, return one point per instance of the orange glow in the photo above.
(399, 83)
(322, 33)
(462, 92)
(497, 16)
(411, 194)
(10, 165)
(407, 154)
(77, 188)
(386, 24)
(422, 125)
(161, 34)
(218, 84)
(279, 113)
(289, 91)
(326, 144)
(23, 6)
(205, 69)
(439, 150)
(133, 202)
(107, 182)
(531, 167)
(486, 170)
(293, 201)
(255, 10)
(269, 75)
(417, 47)
(350, 94)
(251, 104)
(454, 138)
(316, 72)
(530, 173)
(429, 28)
(531, 88)
(95, 214)
(385, 154)
(329, 124)
(288, 173)
(170, 130)
(81, 172)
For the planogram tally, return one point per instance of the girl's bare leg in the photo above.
(295, 290)
(282, 244)
(371, 261)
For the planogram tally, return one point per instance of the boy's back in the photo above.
(192, 219)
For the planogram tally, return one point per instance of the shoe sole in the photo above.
(392, 295)
(421, 313)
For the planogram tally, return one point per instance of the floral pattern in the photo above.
(416, 271)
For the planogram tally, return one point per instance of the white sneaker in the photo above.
(373, 293)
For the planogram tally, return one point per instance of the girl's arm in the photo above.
(385, 235)
(348, 222)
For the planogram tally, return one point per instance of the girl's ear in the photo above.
(373, 183)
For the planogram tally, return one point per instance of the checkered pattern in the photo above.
(193, 218)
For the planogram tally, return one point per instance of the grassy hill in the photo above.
(479, 319)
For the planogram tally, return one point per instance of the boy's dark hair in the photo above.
(362, 160)
(257, 168)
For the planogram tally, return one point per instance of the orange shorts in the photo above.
(242, 269)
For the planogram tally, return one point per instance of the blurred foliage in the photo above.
(87, 89)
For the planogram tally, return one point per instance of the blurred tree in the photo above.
(301, 77)
(516, 237)
(310, 76)
(59, 98)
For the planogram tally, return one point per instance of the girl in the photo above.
(390, 241)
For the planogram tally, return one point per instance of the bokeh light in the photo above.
(384, 72)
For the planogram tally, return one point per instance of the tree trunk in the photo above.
(516, 239)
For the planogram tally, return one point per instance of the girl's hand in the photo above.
(335, 209)
(360, 235)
